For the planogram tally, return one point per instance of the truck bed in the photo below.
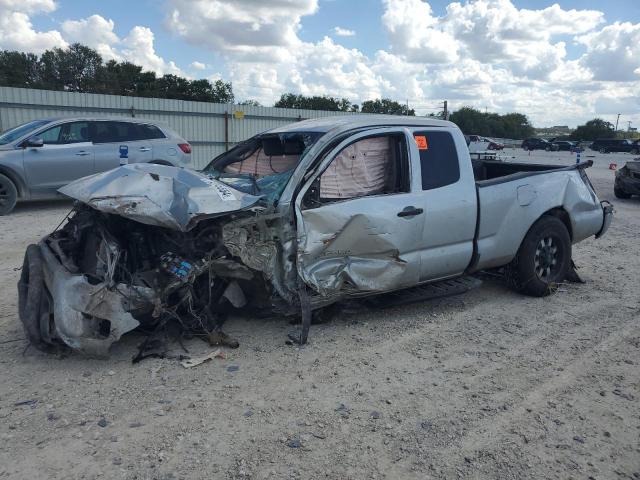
(511, 196)
(490, 170)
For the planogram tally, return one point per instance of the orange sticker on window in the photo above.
(421, 141)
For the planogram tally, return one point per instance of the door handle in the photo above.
(145, 149)
(410, 211)
(82, 153)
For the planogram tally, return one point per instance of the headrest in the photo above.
(272, 146)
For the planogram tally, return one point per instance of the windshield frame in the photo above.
(270, 187)
(22, 130)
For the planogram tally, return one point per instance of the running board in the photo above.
(421, 293)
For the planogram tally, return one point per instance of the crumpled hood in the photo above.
(159, 195)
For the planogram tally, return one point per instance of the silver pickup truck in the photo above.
(296, 219)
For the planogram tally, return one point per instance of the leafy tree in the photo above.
(291, 100)
(80, 69)
(18, 69)
(593, 129)
(387, 106)
(75, 69)
(222, 92)
(474, 122)
(251, 103)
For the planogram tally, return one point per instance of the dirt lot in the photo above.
(489, 384)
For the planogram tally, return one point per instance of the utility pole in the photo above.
(446, 110)
(629, 125)
(617, 122)
(407, 107)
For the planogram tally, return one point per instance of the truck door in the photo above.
(359, 224)
(448, 199)
(66, 155)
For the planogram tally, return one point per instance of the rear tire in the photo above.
(543, 259)
(603, 150)
(8, 195)
(619, 193)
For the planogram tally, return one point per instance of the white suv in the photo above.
(39, 157)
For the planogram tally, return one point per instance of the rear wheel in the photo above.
(603, 150)
(543, 259)
(8, 195)
(619, 193)
(634, 151)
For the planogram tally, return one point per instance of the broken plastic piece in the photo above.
(194, 362)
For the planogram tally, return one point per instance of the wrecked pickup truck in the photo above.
(296, 219)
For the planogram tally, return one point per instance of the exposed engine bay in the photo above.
(114, 274)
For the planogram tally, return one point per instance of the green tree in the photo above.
(291, 100)
(76, 69)
(474, 122)
(80, 69)
(593, 129)
(387, 106)
(18, 69)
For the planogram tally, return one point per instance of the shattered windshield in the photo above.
(262, 165)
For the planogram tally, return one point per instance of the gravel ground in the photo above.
(489, 384)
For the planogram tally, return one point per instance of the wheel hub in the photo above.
(546, 259)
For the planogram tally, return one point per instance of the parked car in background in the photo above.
(476, 143)
(608, 145)
(635, 147)
(39, 157)
(627, 181)
(535, 144)
(494, 144)
(562, 145)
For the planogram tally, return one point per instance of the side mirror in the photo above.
(34, 142)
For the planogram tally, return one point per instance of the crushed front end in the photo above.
(105, 275)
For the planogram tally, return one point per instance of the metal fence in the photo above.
(209, 127)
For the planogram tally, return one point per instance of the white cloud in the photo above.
(16, 29)
(343, 32)
(95, 32)
(138, 48)
(28, 6)
(248, 28)
(613, 53)
(197, 65)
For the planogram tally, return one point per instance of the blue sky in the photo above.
(362, 16)
(559, 63)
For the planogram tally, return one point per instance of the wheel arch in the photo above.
(562, 215)
(16, 179)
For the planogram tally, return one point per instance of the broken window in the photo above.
(262, 165)
(370, 166)
(270, 155)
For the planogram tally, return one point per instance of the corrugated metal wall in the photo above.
(201, 124)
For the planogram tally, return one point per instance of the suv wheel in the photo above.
(603, 150)
(8, 195)
(543, 259)
(619, 193)
(634, 151)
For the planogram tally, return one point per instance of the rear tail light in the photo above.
(185, 147)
